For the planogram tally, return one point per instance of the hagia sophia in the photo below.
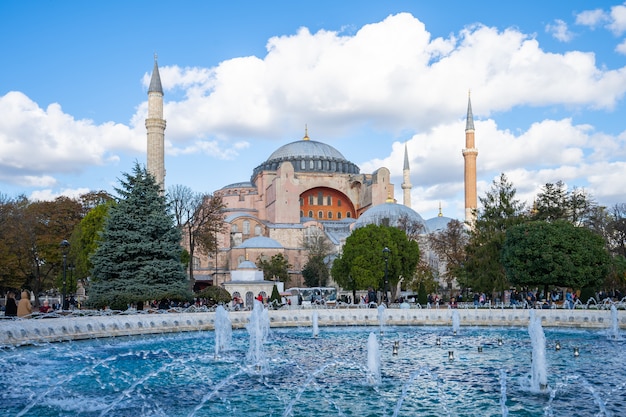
(304, 190)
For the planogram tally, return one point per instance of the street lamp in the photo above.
(386, 255)
(64, 247)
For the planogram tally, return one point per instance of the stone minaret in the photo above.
(469, 155)
(406, 180)
(155, 125)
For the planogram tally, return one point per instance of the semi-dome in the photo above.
(389, 214)
(308, 156)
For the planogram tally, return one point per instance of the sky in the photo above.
(242, 78)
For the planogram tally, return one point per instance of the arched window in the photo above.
(234, 228)
(348, 215)
(339, 215)
(301, 213)
(257, 230)
(311, 213)
(246, 227)
(320, 214)
(330, 214)
(240, 259)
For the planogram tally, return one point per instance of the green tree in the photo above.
(86, 238)
(275, 298)
(554, 202)
(482, 269)
(362, 263)
(554, 254)
(315, 272)
(138, 258)
(215, 295)
(276, 268)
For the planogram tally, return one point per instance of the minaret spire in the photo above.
(406, 179)
(155, 126)
(469, 155)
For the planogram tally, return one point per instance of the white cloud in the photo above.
(560, 31)
(592, 18)
(615, 20)
(37, 142)
(49, 195)
(390, 76)
(618, 20)
(621, 48)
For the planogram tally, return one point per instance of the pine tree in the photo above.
(139, 255)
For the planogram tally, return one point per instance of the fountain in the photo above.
(223, 330)
(258, 330)
(382, 318)
(282, 371)
(373, 360)
(614, 331)
(316, 330)
(456, 321)
(538, 374)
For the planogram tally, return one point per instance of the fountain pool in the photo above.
(179, 374)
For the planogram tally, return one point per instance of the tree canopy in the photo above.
(276, 268)
(138, 258)
(362, 261)
(554, 253)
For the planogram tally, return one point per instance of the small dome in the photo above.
(437, 224)
(389, 214)
(260, 242)
(247, 265)
(308, 156)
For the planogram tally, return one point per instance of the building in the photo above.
(305, 190)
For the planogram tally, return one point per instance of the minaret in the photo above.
(406, 180)
(469, 155)
(155, 125)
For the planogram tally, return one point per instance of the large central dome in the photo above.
(308, 156)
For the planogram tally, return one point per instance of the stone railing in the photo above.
(55, 328)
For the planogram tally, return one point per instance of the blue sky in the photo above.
(242, 78)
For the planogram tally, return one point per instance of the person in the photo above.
(45, 307)
(371, 296)
(24, 307)
(10, 305)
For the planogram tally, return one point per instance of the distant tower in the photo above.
(406, 180)
(469, 155)
(155, 125)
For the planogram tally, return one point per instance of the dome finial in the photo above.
(306, 133)
(389, 198)
(440, 213)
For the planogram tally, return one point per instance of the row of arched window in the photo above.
(329, 215)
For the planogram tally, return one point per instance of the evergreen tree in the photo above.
(138, 258)
(483, 270)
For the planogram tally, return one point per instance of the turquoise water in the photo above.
(179, 375)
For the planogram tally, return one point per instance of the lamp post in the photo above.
(64, 247)
(386, 255)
